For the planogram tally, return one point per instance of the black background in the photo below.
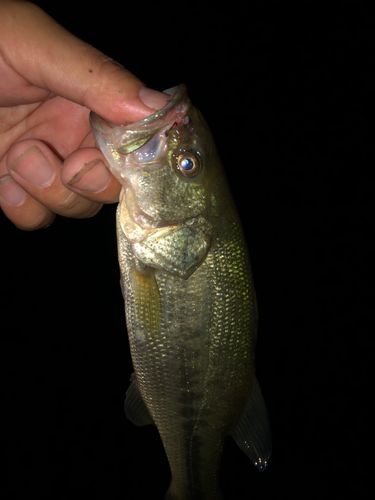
(287, 91)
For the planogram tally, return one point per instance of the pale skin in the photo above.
(49, 82)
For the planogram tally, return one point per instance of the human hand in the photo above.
(49, 82)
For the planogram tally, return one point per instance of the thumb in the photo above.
(51, 58)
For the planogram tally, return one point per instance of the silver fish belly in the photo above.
(190, 303)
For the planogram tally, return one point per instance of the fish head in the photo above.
(171, 176)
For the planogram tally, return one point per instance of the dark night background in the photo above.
(288, 95)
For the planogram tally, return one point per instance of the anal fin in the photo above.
(252, 430)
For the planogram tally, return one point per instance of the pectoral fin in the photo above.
(252, 431)
(147, 302)
(134, 407)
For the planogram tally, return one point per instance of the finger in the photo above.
(86, 173)
(95, 80)
(22, 209)
(37, 170)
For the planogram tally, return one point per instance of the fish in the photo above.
(190, 304)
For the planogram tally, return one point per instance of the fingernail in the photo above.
(11, 192)
(33, 167)
(152, 98)
(92, 178)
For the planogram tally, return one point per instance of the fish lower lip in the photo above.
(143, 220)
(147, 222)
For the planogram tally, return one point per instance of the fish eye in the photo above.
(189, 164)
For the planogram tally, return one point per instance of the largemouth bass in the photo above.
(190, 303)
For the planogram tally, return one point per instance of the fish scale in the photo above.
(190, 302)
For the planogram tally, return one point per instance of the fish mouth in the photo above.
(118, 140)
